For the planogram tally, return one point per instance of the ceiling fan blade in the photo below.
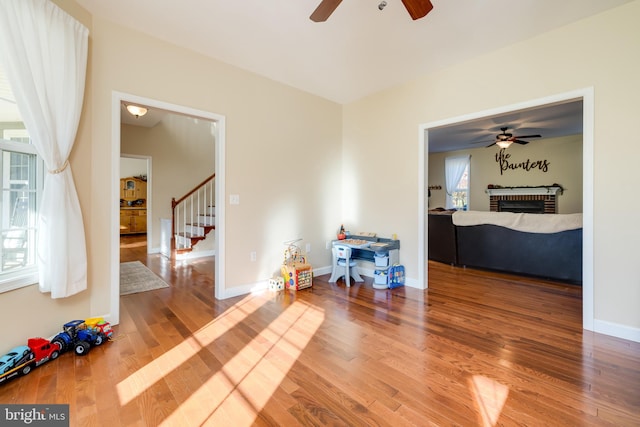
(417, 8)
(518, 141)
(324, 10)
(490, 145)
(528, 136)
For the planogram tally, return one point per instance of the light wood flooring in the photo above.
(475, 349)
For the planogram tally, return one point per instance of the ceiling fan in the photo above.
(505, 139)
(416, 8)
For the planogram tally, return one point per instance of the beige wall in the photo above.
(563, 155)
(130, 166)
(182, 151)
(380, 132)
(282, 149)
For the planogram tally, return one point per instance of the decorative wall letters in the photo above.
(502, 158)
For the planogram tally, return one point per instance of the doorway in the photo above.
(587, 98)
(139, 169)
(218, 132)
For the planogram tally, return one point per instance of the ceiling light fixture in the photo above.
(137, 111)
(504, 143)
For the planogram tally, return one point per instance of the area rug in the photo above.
(136, 277)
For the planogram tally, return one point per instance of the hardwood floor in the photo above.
(475, 349)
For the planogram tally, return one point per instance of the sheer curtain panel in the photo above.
(44, 53)
(453, 170)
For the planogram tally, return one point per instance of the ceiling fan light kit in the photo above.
(417, 9)
(504, 139)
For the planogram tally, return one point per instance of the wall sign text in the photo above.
(502, 158)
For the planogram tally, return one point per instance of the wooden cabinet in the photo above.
(133, 189)
(133, 221)
(133, 205)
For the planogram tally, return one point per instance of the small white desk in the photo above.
(361, 250)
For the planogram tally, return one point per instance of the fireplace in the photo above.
(523, 206)
(523, 199)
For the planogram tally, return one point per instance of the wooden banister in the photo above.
(175, 202)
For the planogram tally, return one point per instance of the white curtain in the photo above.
(453, 170)
(44, 53)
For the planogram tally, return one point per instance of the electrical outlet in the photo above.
(253, 256)
(234, 199)
(308, 248)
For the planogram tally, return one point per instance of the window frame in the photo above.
(28, 275)
(465, 205)
(449, 196)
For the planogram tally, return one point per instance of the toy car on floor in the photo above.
(100, 326)
(16, 357)
(76, 335)
(43, 350)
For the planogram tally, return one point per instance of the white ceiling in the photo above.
(359, 50)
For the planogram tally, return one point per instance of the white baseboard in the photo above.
(616, 330)
(413, 283)
(194, 255)
(237, 291)
(322, 270)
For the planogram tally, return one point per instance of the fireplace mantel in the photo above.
(523, 191)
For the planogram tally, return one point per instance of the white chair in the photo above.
(343, 265)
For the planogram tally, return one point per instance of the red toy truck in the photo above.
(39, 351)
(43, 349)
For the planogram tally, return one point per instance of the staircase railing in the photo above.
(193, 216)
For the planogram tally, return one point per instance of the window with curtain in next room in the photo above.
(457, 182)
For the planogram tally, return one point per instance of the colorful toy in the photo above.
(43, 350)
(76, 335)
(296, 273)
(396, 276)
(15, 358)
(276, 284)
(100, 326)
(22, 359)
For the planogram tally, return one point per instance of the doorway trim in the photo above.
(220, 132)
(587, 97)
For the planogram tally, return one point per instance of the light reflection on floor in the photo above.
(490, 397)
(245, 384)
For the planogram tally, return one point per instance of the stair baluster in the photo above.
(193, 216)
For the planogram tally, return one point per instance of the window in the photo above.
(456, 171)
(21, 175)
